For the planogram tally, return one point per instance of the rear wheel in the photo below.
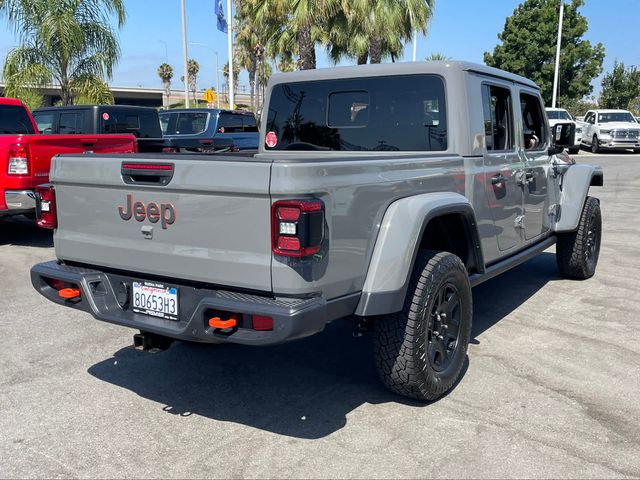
(577, 252)
(420, 351)
(595, 146)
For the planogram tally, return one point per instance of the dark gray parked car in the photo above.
(207, 124)
(382, 193)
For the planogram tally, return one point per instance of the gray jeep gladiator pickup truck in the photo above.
(382, 193)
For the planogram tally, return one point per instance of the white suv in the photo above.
(605, 129)
(557, 115)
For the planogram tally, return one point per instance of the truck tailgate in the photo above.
(210, 223)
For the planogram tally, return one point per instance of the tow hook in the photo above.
(151, 342)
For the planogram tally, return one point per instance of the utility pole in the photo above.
(230, 46)
(186, 57)
(555, 75)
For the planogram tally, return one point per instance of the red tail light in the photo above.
(18, 160)
(46, 206)
(297, 227)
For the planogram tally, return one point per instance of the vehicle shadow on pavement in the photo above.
(303, 389)
(498, 297)
(24, 232)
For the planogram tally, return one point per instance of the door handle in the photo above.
(498, 179)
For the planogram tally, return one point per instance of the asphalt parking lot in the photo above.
(551, 388)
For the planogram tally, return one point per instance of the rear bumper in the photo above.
(18, 201)
(293, 317)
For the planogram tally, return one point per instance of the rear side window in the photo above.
(142, 124)
(191, 123)
(229, 123)
(44, 120)
(249, 123)
(70, 123)
(14, 120)
(400, 113)
(498, 118)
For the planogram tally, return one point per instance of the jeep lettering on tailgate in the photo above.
(164, 212)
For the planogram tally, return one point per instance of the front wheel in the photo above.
(595, 146)
(420, 351)
(577, 252)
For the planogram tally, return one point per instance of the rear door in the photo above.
(501, 165)
(200, 218)
(534, 149)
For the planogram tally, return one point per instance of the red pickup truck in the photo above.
(25, 154)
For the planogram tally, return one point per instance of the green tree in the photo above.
(528, 48)
(68, 42)
(436, 57)
(620, 87)
(165, 72)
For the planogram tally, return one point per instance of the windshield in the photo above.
(14, 120)
(616, 117)
(558, 115)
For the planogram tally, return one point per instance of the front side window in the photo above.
(400, 113)
(70, 123)
(534, 126)
(498, 119)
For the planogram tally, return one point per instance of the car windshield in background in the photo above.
(400, 113)
(558, 115)
(14, 121)
(616, 117)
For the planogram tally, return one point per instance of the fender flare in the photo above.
(575, 185)
(397, 246)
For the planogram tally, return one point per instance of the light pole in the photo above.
(215, 52)
(415, 44)
(556, 73)
(230, 41)
(186, 57)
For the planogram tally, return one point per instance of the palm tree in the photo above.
(437, 56)
(165, 72)
(71, 43)
(374, 29)
(193, 68)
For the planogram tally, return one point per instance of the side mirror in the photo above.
(562, 135)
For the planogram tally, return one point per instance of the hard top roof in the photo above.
(443, 68)
(87, 107)
(204, 110)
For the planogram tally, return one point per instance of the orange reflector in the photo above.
(69, 293)
(217, 322)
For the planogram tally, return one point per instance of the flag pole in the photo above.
(555, 75)
(186, 57)
(230, 46)
(415, 44)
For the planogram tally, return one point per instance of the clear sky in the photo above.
(461, 29)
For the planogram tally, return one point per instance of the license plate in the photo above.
(155, 299)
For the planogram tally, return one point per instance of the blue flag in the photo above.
(222, 22)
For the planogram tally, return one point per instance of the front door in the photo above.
(534, 148)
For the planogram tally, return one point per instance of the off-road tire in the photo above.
(577, 252)
(595, 146)
(404, 341)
